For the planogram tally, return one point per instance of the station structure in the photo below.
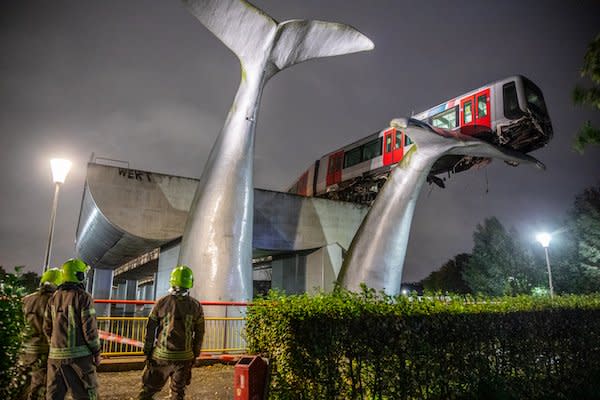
(131, 222)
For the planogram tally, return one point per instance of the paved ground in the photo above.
(208, 382)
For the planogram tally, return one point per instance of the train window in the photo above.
(352, 157)
(407, 140)
(398, 140)
(534, 97)
(468, 112)
(446, 119)
(388, 143)
(482, 110)
(511, 102)
(331, 165)
(371, 150)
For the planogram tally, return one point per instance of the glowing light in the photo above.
(544, 239)
(60, 169)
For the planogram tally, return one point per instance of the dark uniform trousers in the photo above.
(156, 374)
(76, 374)
(33, 367)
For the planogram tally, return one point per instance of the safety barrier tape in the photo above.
(111, 337)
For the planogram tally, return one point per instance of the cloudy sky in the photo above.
(143, 81)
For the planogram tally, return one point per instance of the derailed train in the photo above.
(510, 113)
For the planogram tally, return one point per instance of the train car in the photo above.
(510, 113)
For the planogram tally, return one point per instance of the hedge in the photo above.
(370, 346)
(12, 324)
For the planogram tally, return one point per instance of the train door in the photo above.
(334, 169)
(392, 146)
(482, 108)
(467, 114)
(475, 113)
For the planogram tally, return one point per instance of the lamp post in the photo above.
(60, 169)
(544, 239)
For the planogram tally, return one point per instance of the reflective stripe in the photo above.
(88, 312)
(35, 348)
(70, 352)
(164, 354)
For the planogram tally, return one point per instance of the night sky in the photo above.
(145, 82)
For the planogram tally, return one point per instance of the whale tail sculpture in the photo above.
(376, 254)
(252, 34)
(217, 240)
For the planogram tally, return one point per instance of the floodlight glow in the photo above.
(544, 239)
(60, 169)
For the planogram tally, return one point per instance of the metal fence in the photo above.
(124, 335)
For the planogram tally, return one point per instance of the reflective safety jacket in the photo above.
(175, 328)
(70, 323)
(34, 306)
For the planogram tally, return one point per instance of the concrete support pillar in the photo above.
(120, 295)
(115, 292)
(130, 294)
(289, 274)
(322, 268)
(102, 289)
(167, 260)
(145, 292)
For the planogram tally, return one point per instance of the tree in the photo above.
(564, 261)
(29, 281)
(500, 264)
(585, 219)
(589, 134)
(449, 277)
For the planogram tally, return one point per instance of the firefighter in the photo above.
(34, 355)
(173, 338)
(70, 325)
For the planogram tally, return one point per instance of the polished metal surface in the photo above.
(217, 240)
(376, 255)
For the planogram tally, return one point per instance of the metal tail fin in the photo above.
(245, 29)
(250, 33)
(302, 40)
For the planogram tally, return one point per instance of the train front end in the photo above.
(527, 125)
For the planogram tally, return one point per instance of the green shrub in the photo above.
(368, 346)
(12, 324)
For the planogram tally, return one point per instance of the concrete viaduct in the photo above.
(131, 222)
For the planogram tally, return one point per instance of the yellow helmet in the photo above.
(182, 277)
(52, 276)
(74, 270)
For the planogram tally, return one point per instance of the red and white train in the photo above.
(510, 113)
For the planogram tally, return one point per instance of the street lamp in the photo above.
(60, 169)
(544, 239)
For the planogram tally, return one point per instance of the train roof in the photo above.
(425, 114)
(429, 111)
